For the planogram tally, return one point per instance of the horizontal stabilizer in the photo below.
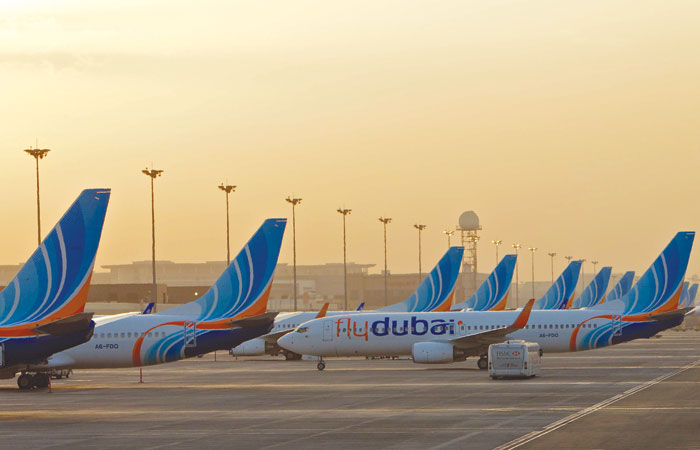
(668, 315)
(254, 321)
(73, 324)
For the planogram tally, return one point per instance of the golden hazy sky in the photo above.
(570, 126)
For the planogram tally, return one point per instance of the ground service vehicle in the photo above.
(514, 358)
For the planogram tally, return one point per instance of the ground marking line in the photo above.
(591, 409)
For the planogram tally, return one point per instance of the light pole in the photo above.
(420, 228)
(345, 212)
(496, 243)
(153, 174)
(595, 263)
(552, 255)
(227, 189)
(294, 202)
(38, 154)
(517, 280)
(533, 250)
(449, 234)
(385, 221)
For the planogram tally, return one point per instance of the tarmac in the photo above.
(643, 394)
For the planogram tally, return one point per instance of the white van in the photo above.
(514, 359)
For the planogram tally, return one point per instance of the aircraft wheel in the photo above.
(41, 380)
(25, 381)
(483, 363)
(321, 365)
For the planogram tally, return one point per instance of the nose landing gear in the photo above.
(321, 365)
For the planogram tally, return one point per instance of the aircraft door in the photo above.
(617, 325)
(190, 334)
(328, 330)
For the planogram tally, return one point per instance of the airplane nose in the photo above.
(287, 342)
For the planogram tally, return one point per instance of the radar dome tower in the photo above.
(469, 227)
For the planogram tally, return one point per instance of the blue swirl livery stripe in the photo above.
(49, 283)
(436, 289)
(621, 288)
(661, 283)
(494, 289)
(595, 291)
(562, 290)
(244, 281)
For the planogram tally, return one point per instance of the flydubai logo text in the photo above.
(415, 326)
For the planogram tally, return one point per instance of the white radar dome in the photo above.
(469, 221)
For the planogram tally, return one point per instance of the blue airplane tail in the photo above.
(492, 295)
(436, 291)
(560, 295)
(692, 292)
(361, 307)
(659, 289)
(621, 288)
(243, 288)
(53, 284)
(149, 308)
(684, 295)
(595, 291)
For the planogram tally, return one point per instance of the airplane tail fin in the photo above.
(561, 294)
(436, 291)
(692, 292)
(659, 289)
(149, 308)
(53, 284)
(361, 307)
(595, 291)
(492, 295)
(684, 295)
(621, 288)
(243, 288)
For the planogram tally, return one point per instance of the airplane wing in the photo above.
(273, 337)
(67, 325)
(476, 344)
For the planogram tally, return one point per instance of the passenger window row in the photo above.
(129, 334)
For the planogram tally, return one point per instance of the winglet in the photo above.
(361, 307)
(524, 315)
(149, 308)
(323, 311)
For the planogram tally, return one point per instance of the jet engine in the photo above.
(253, 347)
(434, 353)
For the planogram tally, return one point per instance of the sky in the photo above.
(569, 126)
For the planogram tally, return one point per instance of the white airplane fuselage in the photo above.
(377, 334)
(134, 340)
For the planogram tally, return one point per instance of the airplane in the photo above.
(435, 293)
(561, 293)
(595, 291)
(434, 338)
(230, 312)
(621, 288)
(492, 295)
(42, 308)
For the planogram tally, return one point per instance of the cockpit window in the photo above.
(302, 329)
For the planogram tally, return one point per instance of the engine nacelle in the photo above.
(433, 353)
(253, 347)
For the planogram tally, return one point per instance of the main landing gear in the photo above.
(321, 365)
(483, 362)
(28, 381)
